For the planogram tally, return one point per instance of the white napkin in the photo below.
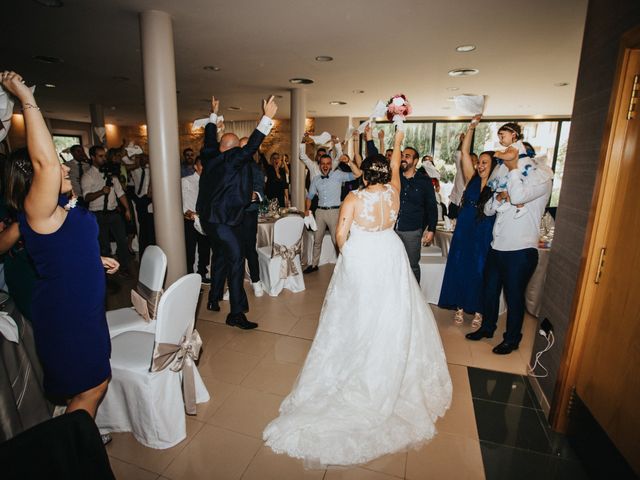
(431, 170)
(470, 104)
(197, 225)
(379, 110)
(133, 150)
(310, 222)
(202, 122)
(322, 139)
(8, 328)
(6, 111)
(447, 223)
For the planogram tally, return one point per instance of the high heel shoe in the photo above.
(458, 318)
(477, 320)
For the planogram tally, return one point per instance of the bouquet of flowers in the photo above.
(398, 107)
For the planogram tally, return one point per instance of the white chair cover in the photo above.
(431, 275)
(280, 263)
(150, 404)
(431, 251)
(153, 268)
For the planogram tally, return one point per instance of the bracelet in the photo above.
(29, 105)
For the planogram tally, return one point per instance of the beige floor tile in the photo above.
(460, 418)
(252, 341)
(272, 377)
(393, 464)
(227, 365)
(125, 447)
(219, 392)
(247, 411)
(483, 357)
(214, 453)
(126, 471)
(457, 352)
(337, 473)
(277, 320)
(305, 328)
(267, 465)
(446, 457)
(215, 336)
(289, 349)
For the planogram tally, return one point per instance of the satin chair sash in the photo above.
(287, 266)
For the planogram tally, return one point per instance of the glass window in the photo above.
(446, 144)
(559, 166)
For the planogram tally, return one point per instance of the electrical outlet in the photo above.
(546, 327)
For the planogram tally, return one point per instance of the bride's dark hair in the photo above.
(376, 170)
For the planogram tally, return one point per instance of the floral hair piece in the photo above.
(379, 168)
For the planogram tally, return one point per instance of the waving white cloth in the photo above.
(470, 104)
(322, 139)
(379, 110)
(8, 328)
(6, 111)
(310, 222)
(431, 170)
(101, 133)
(133, 149)
(202, 122)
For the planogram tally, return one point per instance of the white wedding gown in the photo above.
(376, 379)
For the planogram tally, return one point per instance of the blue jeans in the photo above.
(512, 271)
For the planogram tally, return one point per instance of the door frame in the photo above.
(603, 202)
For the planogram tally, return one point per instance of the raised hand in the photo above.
(306, 138)
(269, 107)
(381, 135)
(12, 83)
(215, 105)
(476, 119)
(399, 137)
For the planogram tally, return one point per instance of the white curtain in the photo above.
(242, 128)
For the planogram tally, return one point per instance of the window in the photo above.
(64, 142)
(446, 144)
(558, 166)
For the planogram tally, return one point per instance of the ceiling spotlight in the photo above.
(451, 99)
(561, 84)
(453, 89)
(463, 72)
(278, 96)
(50, 3)
(120, 78)
(358, 91)
(234, 109)
(48, 59)
(465, 48)
(212, 68)
(49, 85)
(337, 102)
(324, 58)
(301, 81)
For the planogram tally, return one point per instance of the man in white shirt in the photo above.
(513, 256)
(141, 177)
(103, 193)
(78, 165)
(190, 187)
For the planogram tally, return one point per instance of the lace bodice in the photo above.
(375, 210)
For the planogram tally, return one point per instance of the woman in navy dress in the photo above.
(67, 312)
(462, 283)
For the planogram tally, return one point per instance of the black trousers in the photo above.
(147, 234)
(112, 225)
(193, 239)
(249, 236)
(228, 247)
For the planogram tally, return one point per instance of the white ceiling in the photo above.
(382, 47)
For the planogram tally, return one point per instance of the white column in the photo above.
(158, 66)
(298, 117)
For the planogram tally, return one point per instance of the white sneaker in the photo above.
(225, 297)
(257, 289)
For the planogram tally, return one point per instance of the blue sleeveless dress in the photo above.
(463, 277)
(68, 304)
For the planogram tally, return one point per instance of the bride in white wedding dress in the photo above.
(375, 380)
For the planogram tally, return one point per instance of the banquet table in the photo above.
(22, 400)
(533, 293)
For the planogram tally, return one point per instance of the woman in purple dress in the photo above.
(68, 313)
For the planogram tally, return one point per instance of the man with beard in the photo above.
(78, 166)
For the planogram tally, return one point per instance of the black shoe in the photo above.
(505, 348)
(240, 321)
(478, 335)
(310, 269)
(206, 280)
(213, 307)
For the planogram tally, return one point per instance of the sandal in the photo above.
(477, 321)
(458, 318)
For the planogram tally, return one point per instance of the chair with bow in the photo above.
(145, 296)
(280, 263)
(154, 376)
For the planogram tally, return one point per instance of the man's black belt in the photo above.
(329, 208)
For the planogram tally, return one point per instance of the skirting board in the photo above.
(542, 399)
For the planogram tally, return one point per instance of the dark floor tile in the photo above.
(507, 463)
(532, 393)
(500, 387)
(569, 470)
(510, 425)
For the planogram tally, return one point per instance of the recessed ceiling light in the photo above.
(235, 109)
(300, 81)
(278, 96)
(358, 91)
(49, 85)
(113, 107)
(561, 84)
(121, 78)
(324, 58)
(337, 102)
(311, 111)
(465, 48)
(48, 59)
(50, 3)
(453, 89)
(463, 72)
(212, 68)
(451, 99)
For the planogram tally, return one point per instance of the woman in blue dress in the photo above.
(462, 283)
(67, 310)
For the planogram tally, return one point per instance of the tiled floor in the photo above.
(248, 373)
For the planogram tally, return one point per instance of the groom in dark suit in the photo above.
(226, 188)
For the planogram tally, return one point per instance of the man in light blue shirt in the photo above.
(328, 187)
